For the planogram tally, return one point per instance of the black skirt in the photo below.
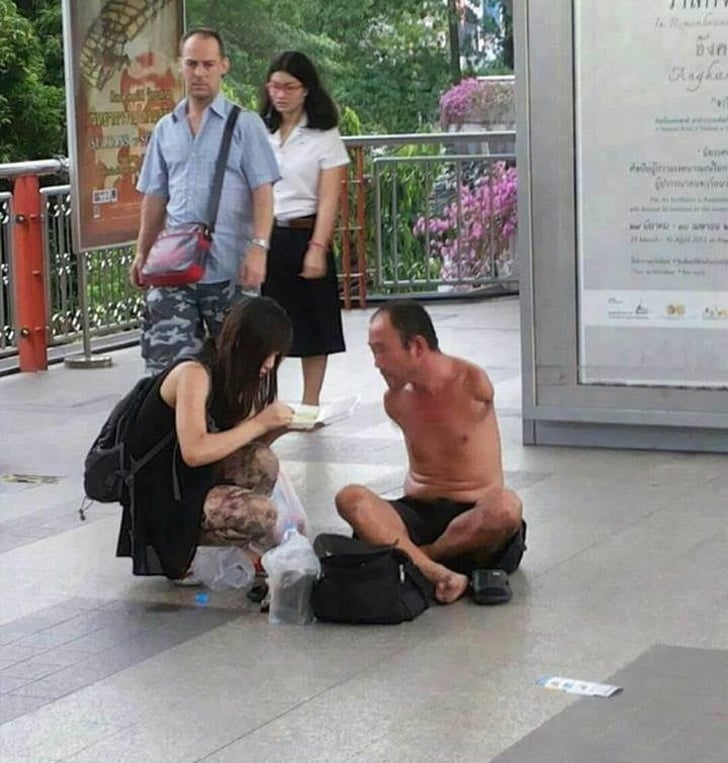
(312, 304)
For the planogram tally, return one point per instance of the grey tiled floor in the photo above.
(627, 550)
(673, 709)
(61, 649)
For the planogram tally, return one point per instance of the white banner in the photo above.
(652, 191)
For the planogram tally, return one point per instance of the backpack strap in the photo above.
(137, 464)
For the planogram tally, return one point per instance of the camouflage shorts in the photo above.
(240, 512)
(177, 319)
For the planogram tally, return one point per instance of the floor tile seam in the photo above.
(78, 524)
(43, 650)
(687, 492)
(720, 476)
(73, 613)
(614, 722)
(102, 675)
(26, 540)
(4, 670)
(556, 711)
(118, 730)
(50, 699)
(545, 635)
(615, 533)
(66, 510)
(66, 644)
(685, 552)
(335, 685)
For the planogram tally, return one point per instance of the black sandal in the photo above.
(509, 556)
(490, 587)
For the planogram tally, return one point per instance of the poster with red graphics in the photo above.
(122, 76)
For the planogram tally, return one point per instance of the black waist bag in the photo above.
(361, 583)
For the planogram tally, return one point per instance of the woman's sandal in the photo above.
(188, 581)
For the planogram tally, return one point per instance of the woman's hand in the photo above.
(275, 415)
(314, 261)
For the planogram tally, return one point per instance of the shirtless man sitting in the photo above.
(456, 514)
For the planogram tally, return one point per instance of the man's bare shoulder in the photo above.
(473, 379)
(391, 402)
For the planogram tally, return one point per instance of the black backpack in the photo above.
(109, 468)
(362, 583)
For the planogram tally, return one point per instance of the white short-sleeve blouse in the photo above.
(300, 160)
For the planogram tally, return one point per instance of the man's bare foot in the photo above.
(449, 585)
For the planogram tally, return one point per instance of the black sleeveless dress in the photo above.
(161, 521)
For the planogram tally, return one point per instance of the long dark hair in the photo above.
(319, 107)
(253, 330)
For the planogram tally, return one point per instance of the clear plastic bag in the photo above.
(289, 507)
(292, 569)
(223, 567)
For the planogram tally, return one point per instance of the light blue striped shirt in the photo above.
(180, 166)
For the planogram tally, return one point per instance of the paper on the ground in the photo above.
(574, 686)
(310, 416)
(32, 479)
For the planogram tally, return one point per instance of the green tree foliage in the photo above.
(47, 19)
(388, 62)
(254, 30)
(32, 123)
(395, 62)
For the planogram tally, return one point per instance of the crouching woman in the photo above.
(212, 484)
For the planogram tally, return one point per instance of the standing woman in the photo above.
(312, 158)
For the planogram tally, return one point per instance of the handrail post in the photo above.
(344, 216)
(85, 359)
(28, 275)
(361, 233)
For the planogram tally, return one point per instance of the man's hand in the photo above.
(314, 263)
(153, 215)
(252, 269)
(135, 270)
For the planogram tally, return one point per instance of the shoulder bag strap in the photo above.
(222, 158)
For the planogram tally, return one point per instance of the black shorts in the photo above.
(426, 521)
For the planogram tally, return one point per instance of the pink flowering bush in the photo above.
(477, 100)
(473, 238)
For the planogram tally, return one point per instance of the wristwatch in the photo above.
(261, 242)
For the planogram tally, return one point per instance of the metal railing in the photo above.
(433, 214)
(407, 227)
(7, 330)
(114, 305)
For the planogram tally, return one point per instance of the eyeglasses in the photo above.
(278, 87)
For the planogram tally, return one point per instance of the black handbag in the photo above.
(362, 583)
